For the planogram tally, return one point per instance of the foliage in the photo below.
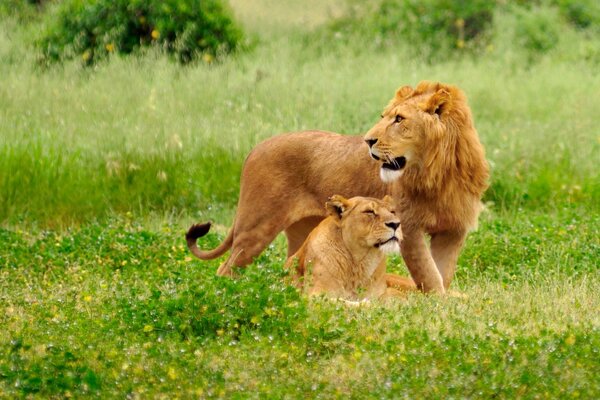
(435, 26)
(116, 309)
(438, 29)
(538, 29)
(92, 30)
(22, 10)
(582, 13)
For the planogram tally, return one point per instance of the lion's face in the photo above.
(410, 121)
(367, 223)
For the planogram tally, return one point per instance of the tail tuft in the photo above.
(197, 231)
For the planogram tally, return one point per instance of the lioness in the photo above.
(344, 256)
(425, 152)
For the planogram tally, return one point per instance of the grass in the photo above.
(114, 308)
(143, 134)
(102, 170)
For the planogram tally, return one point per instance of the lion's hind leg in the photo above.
(247, 244)
(297, 232)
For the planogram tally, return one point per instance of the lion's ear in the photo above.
(437, 103)
(336, 205)
(404, 92)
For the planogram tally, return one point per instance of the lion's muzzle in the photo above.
(372, 151)
(374, 156)
(396, 164)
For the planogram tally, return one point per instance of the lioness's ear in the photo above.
(389, 200)
(336, 205)
(404, 92)
(437, 103)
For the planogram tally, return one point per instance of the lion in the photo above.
(424, 152)
(344, 257)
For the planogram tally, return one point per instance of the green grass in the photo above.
(101, 172)
(139, 134)
(114, 308)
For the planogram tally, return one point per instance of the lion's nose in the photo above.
(393, 225)
(371, 142)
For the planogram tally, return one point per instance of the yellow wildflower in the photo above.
(570, 341)
(155, 34)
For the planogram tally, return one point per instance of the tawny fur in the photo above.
(344, 257)
(286, 179)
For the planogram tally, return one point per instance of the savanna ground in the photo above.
(103, 169)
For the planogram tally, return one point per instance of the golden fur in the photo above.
(344, 256)
(427, 130)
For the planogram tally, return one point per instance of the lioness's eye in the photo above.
(369, 212)
(398, 118)
(393, 212)
(381, 115)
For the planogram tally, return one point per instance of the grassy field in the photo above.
(103, 169)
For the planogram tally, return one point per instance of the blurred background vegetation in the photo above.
(151, 106)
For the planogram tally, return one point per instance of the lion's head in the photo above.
(366, 223)
(427, 135)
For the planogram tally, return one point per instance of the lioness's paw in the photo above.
(354, 303)
(456, 294)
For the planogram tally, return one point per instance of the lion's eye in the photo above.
(381, 115)
(372, 212)
(398, 119)
(393, 212)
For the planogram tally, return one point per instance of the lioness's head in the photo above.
(415, 126)
(367, 223)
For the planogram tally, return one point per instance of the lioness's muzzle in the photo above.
(392, 239)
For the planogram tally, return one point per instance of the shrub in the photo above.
(538, 29)
(93, 29)
(581, 13)
(434, 25)
(23, 10)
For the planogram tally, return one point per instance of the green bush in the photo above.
(21, 9)
(437, 29)
(93, 29)
(581, 13)
(538, 29)
(433, 25)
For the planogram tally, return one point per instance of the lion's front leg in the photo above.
(420, 263)
(445, 249)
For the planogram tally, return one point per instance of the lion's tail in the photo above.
(199, 230)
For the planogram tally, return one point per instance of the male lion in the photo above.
(344, 256)
(429, 157)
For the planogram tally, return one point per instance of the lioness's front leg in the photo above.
(420, 263)
(445, 249)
